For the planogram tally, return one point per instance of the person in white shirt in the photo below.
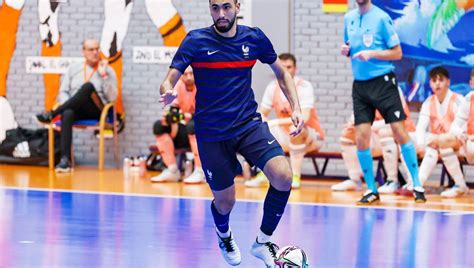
(312, 137)
(438, 113)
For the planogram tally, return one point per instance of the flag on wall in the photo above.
(335, 6)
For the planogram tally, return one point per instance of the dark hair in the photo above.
(439, 71)
(287, 56)
(235, 2)
(472, 72)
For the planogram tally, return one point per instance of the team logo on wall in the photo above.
(368, 40)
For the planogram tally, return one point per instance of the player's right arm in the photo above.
(181, 60)
(287, 85)
(166, 88)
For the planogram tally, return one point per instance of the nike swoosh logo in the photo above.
(270, 142)
(212, 52)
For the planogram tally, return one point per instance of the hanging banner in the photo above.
(50, 65)
(153, 55)
(335, 6)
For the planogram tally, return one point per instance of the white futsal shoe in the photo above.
(196, 177)
(229, 249)
(389, 187)
(455, 191)
(266, 252)
(167, 176)
(347, 185)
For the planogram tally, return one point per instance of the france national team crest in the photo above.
(245, 50)
(368, 40)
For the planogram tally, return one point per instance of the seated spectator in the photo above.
(311, 138)
(85, 89)
(382, 143)
(175, 129)
(438, 113)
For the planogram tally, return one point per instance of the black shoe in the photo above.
(419, 195)
(369, 198)
(44, 117)
(63, 166)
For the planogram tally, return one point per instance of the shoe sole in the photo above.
(345, 190)
(39, 122)
(63, 170)
(420, 201)
(193, 182)
(368, 203)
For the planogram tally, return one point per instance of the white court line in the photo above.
(258, 201)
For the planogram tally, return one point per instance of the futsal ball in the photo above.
(291, 256)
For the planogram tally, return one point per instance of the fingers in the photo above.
(299, 124)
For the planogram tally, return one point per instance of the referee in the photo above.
(371, 42)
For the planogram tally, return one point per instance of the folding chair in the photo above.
(108, 120)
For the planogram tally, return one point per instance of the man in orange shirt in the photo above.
(438, 113)
(312, 137)
(176, 129)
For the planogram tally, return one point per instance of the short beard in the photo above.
(225, 29)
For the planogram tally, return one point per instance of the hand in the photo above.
(298, 122)
(345, 50)
(364, 55)
(102, 69)
(167, 97)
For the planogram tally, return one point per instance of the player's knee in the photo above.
(224, 204)
(158, 128)
(279, 174)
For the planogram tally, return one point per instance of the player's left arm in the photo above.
(288, 88)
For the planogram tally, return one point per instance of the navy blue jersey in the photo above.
(225, 103)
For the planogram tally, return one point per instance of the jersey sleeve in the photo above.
(389, 34)
(184, 56)
(267, 53)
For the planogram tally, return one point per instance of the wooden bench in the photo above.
(380, 174)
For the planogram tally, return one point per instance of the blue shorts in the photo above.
(219, 158)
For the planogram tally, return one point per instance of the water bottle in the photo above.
(126, 164)
(142, 165)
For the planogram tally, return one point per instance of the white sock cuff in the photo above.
(431, 151)
(223, 235)
(263, 238)
(297, 147)
(446, 152)
(173, 168)
(387, 141)
(346, 141)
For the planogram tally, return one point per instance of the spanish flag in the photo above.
(335, 6)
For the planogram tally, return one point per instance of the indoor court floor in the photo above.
(93, 219)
